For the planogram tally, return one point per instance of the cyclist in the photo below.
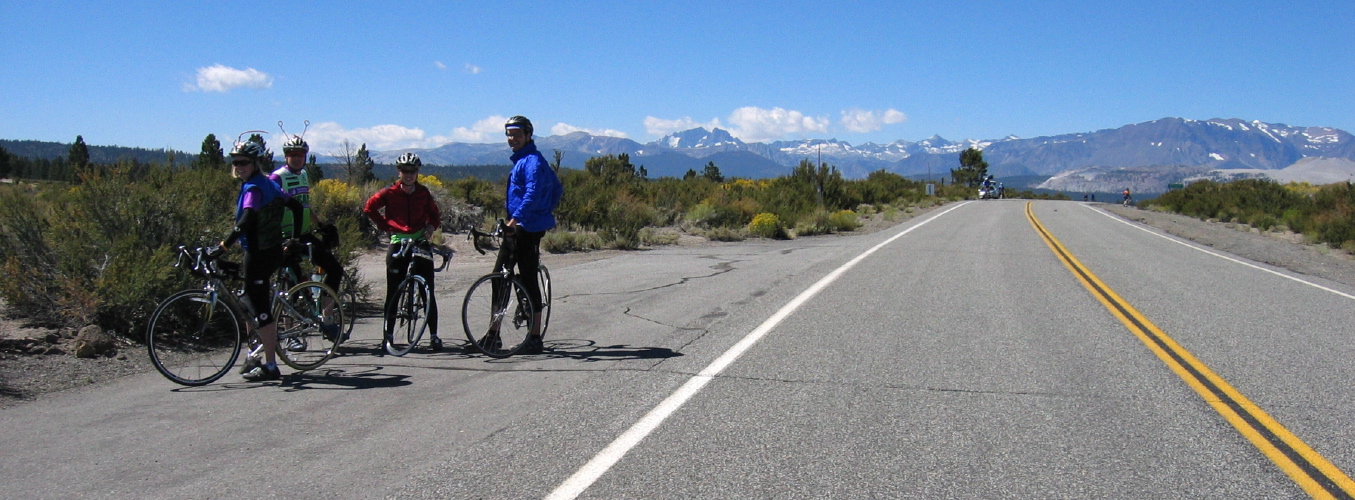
(534, 192)
(407, 210)
(293, 178)
(258, 228)
(1126, 196)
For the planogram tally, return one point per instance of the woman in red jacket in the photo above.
(407, 211)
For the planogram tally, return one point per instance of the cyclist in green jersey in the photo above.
(294, 180)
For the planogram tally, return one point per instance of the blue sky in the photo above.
(418, 74)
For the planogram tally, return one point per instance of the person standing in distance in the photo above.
(534, 192)
(407, 211)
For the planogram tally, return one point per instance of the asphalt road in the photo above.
(960, 358)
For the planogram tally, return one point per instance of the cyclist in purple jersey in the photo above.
(258, 228)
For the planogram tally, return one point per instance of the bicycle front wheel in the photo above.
(407, 316)
(497, 315)
(310, 325)
(348, 302)
(193, 338)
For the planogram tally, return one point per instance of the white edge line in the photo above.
(576, 484)
(1216, 254)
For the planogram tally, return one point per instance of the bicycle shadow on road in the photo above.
(341, 379)
(590, 351)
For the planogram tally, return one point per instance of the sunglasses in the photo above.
(242, 163)
(409, 171)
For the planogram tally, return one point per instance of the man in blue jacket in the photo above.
(533, 193)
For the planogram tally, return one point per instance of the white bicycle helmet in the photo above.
(408, 160)
(251, 149)
(296, 143)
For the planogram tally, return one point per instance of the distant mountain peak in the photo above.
(700, 138)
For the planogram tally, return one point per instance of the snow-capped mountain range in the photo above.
(1169, 142)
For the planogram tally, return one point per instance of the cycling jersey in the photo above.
(298, 186)
(405, 214)
(264, 229)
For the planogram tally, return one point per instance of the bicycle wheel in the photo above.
(310, 325)
(348, 303)
(410, 316)
(544, 283)
(496, 315)
(192, 338)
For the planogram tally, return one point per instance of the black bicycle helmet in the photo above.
(408, 160)
(521, 122)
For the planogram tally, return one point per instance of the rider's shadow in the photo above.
(580, 349)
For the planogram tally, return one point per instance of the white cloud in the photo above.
(660, 126)
(487, 130)
(220, 78)
(565, 128)
(328, 137)
(753, 124)
(859, 120)
(472, 69)
(440, 65)
(749, 123)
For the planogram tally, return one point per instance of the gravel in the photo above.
(37, 362)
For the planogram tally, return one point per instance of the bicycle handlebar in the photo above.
(408, 246)
(500, 230)
(206, 262)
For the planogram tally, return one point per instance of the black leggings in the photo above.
(259, 268)
(396, 267)
(524, 250)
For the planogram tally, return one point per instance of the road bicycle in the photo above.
(290, 274)
(195, 336)
(406, 316)
(497, 313)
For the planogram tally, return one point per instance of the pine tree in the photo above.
(211, 156)
(4, 163)
(314, 171)
(78, 157)
(712, 172)
(973, 169)
(363, 164)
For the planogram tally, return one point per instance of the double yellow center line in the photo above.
(1318, 477)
